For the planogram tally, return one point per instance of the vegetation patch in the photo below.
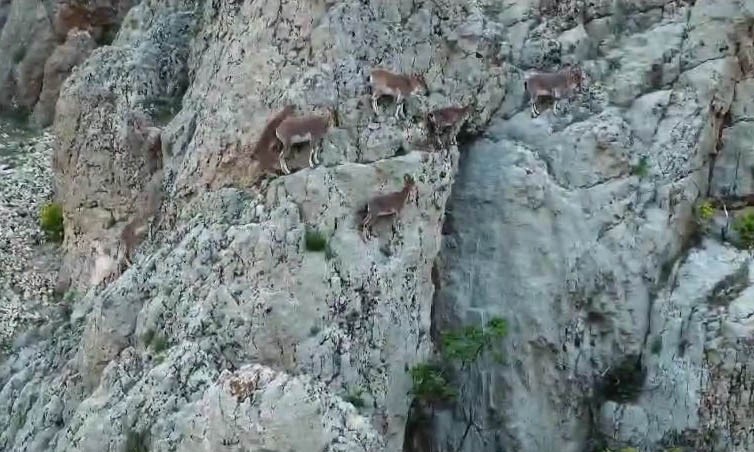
(430, 383)
(19, 54)
(467, 344)
(137, 442)
(641, 169)
(656, 346)
(623, 382)
(156, 342)
(730, 287)
(51, 222)
(355, 398)
(433, 382)
(163, 109)
(705, 210)
(314, 240)
(744, 226)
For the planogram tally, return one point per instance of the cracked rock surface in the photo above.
(628, 312)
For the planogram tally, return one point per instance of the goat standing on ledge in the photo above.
(386, 205)
(558, 85)
(448, 118)
(301, 129)
(399, 86)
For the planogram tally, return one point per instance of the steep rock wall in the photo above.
(571, 227)
(227, 279)
(580, 235)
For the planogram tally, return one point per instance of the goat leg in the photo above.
(312, 149)
(281, 159)
(555, 106)
(365, 226)
(398, 106)
(318, 149)
(534, 112)
(375, 96)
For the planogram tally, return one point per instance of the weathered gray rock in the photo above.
(57, 68)
(625, 330)
(34, 55)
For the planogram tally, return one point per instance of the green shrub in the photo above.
(744, 226)
(429, 383)
(159, 344)
(51, 221)
(642, 168)
(656, 346)
(314, 240)
(19, 54)
(147, 337)
(156, 342)
(465, 345)
(705, 210)
(137, 442)
(163, 109)
(355, 399)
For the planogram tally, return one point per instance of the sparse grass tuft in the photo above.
(431, 384)
(70, 296)
(51, 221)
(744, 226)
(147, 337)
(355, 399)
(656, 346)
(19, 54)
(641, 169)
(159, 344)
(624, 381)
(314, 240)
(705, 210)
(163, 109)
(137, 442)
(465, 345)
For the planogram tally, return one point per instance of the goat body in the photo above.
(386, 205)
(71, 15)
(448, 117)
(268, 138)
(302, 129)
(399, 86)
(559, 85)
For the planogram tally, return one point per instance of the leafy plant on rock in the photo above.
(314, 240)
(432, 382)
(51, 221)
(744, 226)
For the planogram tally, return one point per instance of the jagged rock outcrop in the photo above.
(58, 67)
(625, 329)
(35, 56)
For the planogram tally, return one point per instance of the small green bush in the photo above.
(744, 226)
(642, 168)
(159, 344)
(314, 240)
(465, 345)
(147, 337)
(51, 221)
(429, 383)
(19, 54)
(355, 399)
(137, 442)
(656, 346)
(705, 210)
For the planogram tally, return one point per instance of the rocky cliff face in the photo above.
(232, 330)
